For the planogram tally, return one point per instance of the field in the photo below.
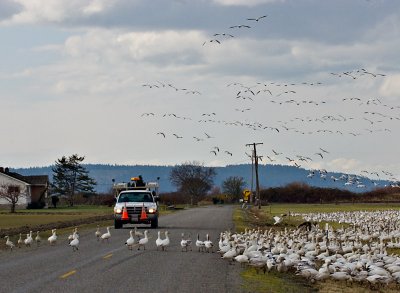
(274, 281)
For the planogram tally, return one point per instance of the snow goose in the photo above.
(185, 243)
(143, 241)
(38, 239)
(9, 243)
(242, 259)
(158, 240)
(74, 242)
(106, 236)
(137, 233)
(97, 233)
(200, 244)
(208, 245)
(165, 241)
(130, 240)
(53, 238)
(20, 241)
(74, 234)
(230, 254)
(29, 240)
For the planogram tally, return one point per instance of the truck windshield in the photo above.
(135, 197)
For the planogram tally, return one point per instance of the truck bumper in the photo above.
(135, 218)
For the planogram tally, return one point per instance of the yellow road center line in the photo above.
(108, 256)
(68, 274)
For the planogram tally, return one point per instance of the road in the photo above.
(111, 267)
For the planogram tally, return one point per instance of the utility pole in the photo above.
(254, 144)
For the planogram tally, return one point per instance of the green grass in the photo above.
(30, 218)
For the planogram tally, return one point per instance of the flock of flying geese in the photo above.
(356, 252)
(373, 118)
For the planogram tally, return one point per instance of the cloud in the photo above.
(245, 2)
(43, 11)
(391, 87)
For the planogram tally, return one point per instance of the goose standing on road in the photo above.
(185, 243)
(158, 240)
(106, 235)
(29, 240)
(143, 241)
(38, 239)
(9, 243)
(130, 240)
(20, 241)
(53, 238)
(208, 244)
(200, 244)
(165, 241)
(98, 233)
(75, 241)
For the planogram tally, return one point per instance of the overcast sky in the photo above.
(107, 79)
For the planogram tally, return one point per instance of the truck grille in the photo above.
(135, 210)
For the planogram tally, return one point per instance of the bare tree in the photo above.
(12, 194)
(233, 186)
(193, 178)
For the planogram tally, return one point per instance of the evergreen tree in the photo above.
(71, 178)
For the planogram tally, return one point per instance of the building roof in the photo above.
(32, 180)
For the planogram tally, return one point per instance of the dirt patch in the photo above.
(56, 225)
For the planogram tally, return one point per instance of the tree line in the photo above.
(194, 182)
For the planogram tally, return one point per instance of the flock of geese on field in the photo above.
(356, 252)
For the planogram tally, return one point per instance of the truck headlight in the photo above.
(152, 210)
(117, 210)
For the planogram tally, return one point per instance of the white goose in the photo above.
(106, 236)
(165, 241)
(130, 240)
(74, 234)
(38, 239)
(208, 244)
(74, 242)
(200, 244)
(20, 241)
(53, 238)
(97, 233)
(143, 241)
(185, 243)
(29, 240)
(137, 233)
(158, 240)
(9, 243)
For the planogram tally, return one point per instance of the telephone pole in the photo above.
(254, 144)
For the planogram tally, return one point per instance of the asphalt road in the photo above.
(111, 267)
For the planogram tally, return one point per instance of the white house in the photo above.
(32, 188)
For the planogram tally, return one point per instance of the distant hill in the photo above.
(269, 175)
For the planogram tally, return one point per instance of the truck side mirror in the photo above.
(157, 198)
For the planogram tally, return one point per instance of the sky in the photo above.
(167, 82)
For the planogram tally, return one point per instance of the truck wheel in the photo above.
(117, 224)
(154, 223)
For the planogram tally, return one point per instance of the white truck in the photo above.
(140, 202)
